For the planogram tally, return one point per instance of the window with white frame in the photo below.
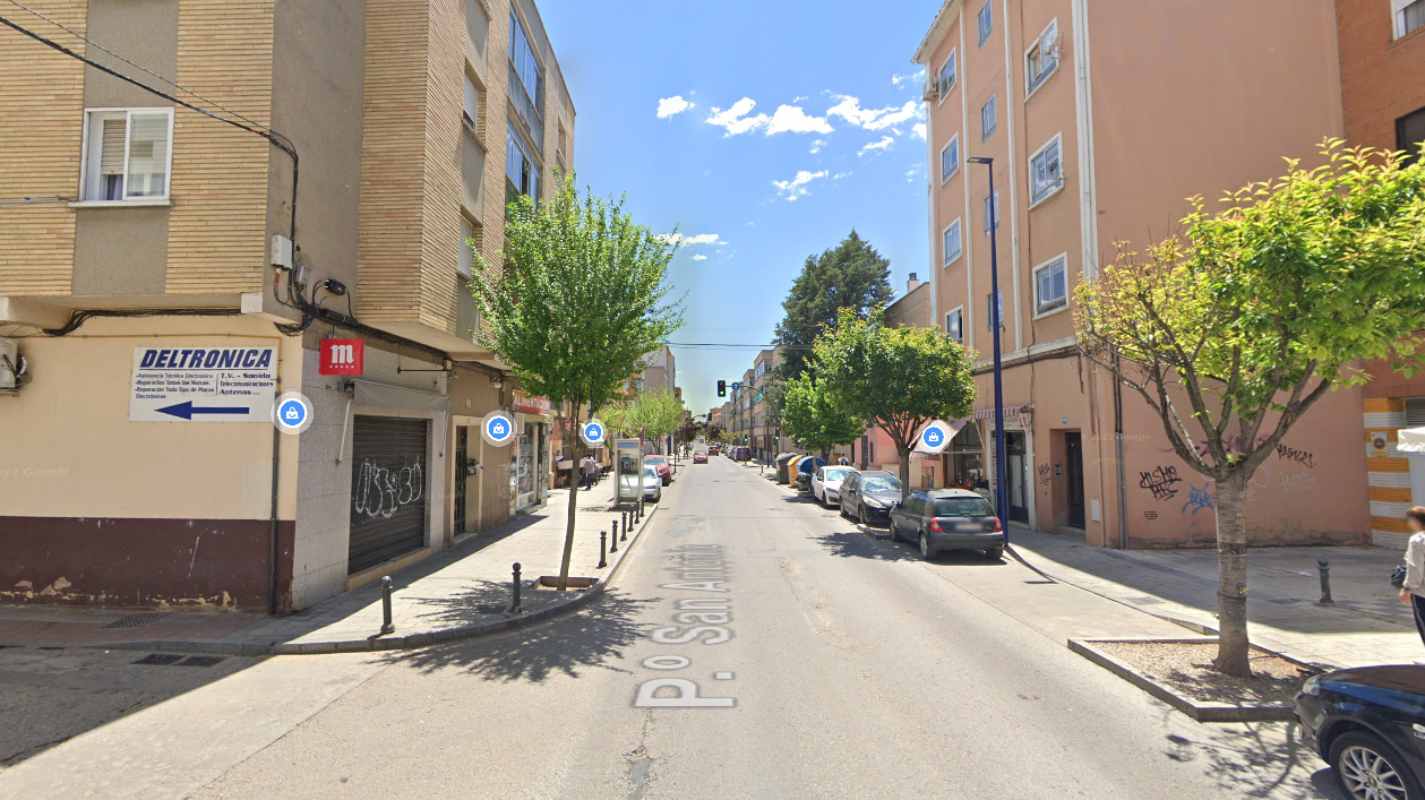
(951, 244)
(955, 324)
(1408, 16)
(989, 118)
(987, 211)
(1051, 285)
(1042, 59)
(1046, 170)
(127, 154)
(950, 158)
(945, 79)
(986, 20)
(990, 310)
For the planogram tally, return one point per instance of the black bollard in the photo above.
(1324, 567)
(624, 535)
(603, 543)
(515, 589)
(613, 547)
(386, 625)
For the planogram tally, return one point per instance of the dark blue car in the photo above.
(1369, 725)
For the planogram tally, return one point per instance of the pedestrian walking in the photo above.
(586, 469)
(1412, 591)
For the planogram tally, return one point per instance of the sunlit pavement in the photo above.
(755, 646)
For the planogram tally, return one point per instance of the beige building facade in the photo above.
(139, 228)
(1101, 116)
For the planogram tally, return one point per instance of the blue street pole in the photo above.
(1001, 467)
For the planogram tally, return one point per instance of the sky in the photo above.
(760, 132)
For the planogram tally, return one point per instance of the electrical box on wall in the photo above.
(13, 367)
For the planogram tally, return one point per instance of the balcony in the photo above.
(530, 112)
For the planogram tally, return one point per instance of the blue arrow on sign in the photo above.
(186, 410)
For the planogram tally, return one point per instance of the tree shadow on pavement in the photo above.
(1256, 760)
(855, 544)
(591, 637)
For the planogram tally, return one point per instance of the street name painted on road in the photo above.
(203, 384)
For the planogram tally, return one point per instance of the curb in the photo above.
(1198, 710)
(374, 644)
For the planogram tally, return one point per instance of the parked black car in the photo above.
(948, 519)
(867, 497)
(1369, 725)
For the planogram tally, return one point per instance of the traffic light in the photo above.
(722, 388)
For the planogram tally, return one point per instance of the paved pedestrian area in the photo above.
(1365, 624)
(459, 590)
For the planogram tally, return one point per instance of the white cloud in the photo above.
(913, 78)
(796, 188)
(918, 131)
(875, 119)
(884, 143)
(695, 240)
(673, 106)
(734, 120)
(817, 146)
(792, 119)
(700, 257)
(801, 98)
(838, 176)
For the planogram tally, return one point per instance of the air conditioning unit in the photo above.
(13, 366)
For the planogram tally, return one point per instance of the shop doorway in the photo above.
(1018, 475)
(1074, 469)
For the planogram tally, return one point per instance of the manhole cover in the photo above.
(159, 659)
(135, 620)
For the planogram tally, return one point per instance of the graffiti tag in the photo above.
(1046, 473)
(1198, 499)
(1161, 481)
(1304, 457)
(382, 491)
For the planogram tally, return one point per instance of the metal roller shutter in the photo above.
(388, 499)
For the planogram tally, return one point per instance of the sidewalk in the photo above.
(459, 592)
(1365, 625)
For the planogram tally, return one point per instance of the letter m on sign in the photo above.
(343, 357)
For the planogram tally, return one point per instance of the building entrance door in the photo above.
(1014, 453)
(462, 457)
(1074, 455)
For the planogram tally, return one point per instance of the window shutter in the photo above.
(472, 101)
(111, 160)
(1415, 411)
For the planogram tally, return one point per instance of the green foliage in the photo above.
(580, 298)
(851, 275)
(896, 378)
(812, 418)
(1256, 310)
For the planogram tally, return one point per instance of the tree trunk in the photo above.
(1232, 577)
(903, 452)
(573, 504)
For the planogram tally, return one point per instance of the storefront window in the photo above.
(966, 458)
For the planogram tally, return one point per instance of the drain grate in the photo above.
(159, 659)
(135, 620)
(200, 661)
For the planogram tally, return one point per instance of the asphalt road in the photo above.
(756, 646)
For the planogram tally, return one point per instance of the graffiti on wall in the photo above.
(1303, 457)
(1046, 474)
(1199, 498)
(382, 491)
(1161, 481)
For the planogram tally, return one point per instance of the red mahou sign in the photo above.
(343, 357)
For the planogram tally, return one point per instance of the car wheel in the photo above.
(995, 554)
(925, 552)
(1368, 768)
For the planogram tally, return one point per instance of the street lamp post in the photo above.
(1001, 467)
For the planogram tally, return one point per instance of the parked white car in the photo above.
(826, 484)
(652, 484)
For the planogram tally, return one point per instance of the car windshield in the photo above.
(963, 507)
(879, 484)
(655, 460)
(650, 472)
(837, 474)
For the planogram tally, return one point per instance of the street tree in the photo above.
(897, 379)
(1233, 329)
(647, 415)
(811, 416)
(851, 275)
(578, 301)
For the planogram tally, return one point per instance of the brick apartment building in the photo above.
(137, 226)
(1101, 116)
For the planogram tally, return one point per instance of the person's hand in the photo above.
(1405, 596)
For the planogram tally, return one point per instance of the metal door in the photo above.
(462, 456)
(1074, 455)
(388, 497)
